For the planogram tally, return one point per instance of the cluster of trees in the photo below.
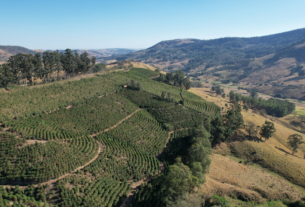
(134, 85)
(218, 90)
(272, 106)
(28, 66)
(223, 127)
(177, 79)
(268, 129)
(183, 175)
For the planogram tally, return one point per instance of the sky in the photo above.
(138, 24)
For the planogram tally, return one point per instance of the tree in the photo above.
(139, 86)
(68, 61)
(178, 181)
(267, 130)
(223, 95)
(133, 83)
(163, 95)
(38, 70)
(169, 96)
(93, 60)
(233, 120)
(218, 131)
(85, 60)
(246, 107)
(253, 94)
(232, 96)
(251, 129)
(294, 142)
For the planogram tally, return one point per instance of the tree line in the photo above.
(28, 66)
(272, 106)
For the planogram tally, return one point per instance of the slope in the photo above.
(7, 51)
(190, 54)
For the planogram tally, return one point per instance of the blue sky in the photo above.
(96, 24)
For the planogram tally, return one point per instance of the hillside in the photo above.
(102, 53)
(274, 74)
(191, 54)
(115, 140)
(7, 51)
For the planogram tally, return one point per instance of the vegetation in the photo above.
(82, 118)
(177, 79)
(267, 130)
(27, 66)
(229, 52)
(143, 131)
(21, 102)
(272, 106)
(294, 142)
(41, 162)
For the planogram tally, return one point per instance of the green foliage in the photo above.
(267, 130)
(41, 162)
(100, 191)
(274, 107)
(23, 102)
(82, 118)
(122, 161)
(219, 200)
(28, 196)
(294, 142)
(142, 73)
(233, 120)
(178, 116)
(142, 131)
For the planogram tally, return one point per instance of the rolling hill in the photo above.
(99, 140)
(195, 54)
(7, 51)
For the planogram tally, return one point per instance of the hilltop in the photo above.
(7, 51)
(195, 54)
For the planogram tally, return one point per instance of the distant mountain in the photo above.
(100, 54)
(194, 54)
(7, 51)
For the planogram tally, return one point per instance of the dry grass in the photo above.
(228, 177)
(275, 153)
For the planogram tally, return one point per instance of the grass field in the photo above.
(275, 154)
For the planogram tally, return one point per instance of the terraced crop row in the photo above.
(89, 117)
(25, 102)
(122, 161)
(41, 162)
(142, 131)
(100, 192)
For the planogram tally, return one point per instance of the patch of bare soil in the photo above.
(33, 141)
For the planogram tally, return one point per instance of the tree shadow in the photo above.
(282, 150)
(241, 136)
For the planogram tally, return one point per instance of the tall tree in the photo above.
(85, 59)
(233, 120)
(93, 60)
(68, 62)
(38, 70)
(294, 142)
(28, 67)
(267, 130)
